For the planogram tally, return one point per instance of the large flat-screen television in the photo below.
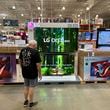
(57, 47)
(3, 38)
(85, 36)
(94, 35)
(10, 22)
(56, 39)
(103, 39)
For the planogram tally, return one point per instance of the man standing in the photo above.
(31, 69)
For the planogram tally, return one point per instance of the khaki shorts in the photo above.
(30, 82)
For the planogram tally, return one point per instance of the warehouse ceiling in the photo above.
(28, 9)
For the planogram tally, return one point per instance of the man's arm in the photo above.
(39, 70)
(20, 62)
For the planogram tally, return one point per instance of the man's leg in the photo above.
(26, 92)
(33, 83)
(31, 94)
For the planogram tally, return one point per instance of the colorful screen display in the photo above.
(7, 68)
(100, 69)
(10, 22)
(96, 68)
(85, 36)
(56, 39)
(88, 35)
(57, 46)
(94, 35)
(103, 38)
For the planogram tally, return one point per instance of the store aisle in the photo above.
(58, 97)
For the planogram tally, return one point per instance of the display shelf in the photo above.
(8, 49)
(81, 30)
(54, 79)
(96, 82)
(85, 27)
(86, 43)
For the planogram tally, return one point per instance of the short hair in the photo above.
(32, 42)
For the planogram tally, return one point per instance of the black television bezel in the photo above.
(97, 40)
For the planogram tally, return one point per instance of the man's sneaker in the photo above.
(31, 104)
(25, 103)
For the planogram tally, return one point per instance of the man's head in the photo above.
(32, 44)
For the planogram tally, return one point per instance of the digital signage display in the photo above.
(56, 39)
(57, 46)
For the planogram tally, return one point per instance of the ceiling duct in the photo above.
(81, 0)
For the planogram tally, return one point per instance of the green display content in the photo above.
(57, 46)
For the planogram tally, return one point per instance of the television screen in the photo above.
(87, 35)
(9, 22)
(57, 64)
(3, 38)
(7, 68)
(56, 46)
(96, 68)
(103, 38)
(94, 35)
(56, 39)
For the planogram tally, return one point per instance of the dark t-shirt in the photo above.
(29, 57)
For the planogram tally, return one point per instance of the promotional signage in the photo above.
(7, 68)
(96, 68)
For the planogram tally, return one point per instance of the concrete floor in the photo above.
(58, 97)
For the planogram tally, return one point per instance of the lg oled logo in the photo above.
(55, 40)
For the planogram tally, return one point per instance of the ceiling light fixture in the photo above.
(38, 8)
(4, 17)
(13, 7)
(79, 16)
(3, 14)
(60, 15)
(97, 16)
(41, 15)
(22, 14)
(63, 8)
(87, 8)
